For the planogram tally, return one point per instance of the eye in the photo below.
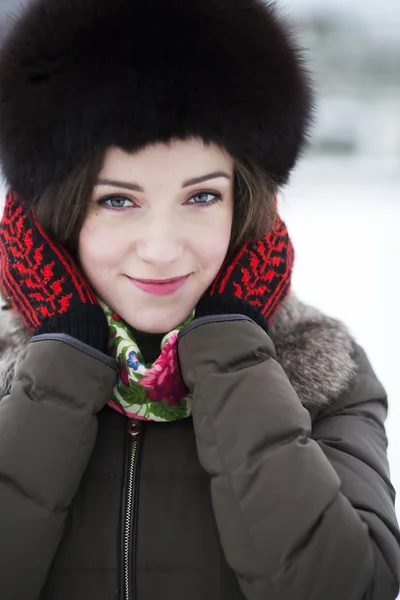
(117, 202)
(205, 198)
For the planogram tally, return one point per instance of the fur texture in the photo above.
(314, 350)
(80, 76)
(14, 338)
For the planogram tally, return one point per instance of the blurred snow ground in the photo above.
(344, 218)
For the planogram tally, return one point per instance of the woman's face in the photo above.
(158, 230)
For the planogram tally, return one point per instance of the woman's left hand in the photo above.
(254, 280)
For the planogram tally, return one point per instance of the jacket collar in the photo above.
(313, 349)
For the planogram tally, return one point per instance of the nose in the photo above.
(161, 242)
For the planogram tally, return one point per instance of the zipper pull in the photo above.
(134, 427)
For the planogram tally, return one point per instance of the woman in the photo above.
(174, 423)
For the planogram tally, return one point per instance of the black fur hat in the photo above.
(80, 76)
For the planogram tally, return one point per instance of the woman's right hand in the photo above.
(42, 282)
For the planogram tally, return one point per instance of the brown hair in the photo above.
(62, 208)
(255, 208)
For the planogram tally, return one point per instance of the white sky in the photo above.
(372, 10)
(383, 17)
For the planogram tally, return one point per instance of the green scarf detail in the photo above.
(150, 392)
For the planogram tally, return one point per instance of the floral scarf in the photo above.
(152, 392)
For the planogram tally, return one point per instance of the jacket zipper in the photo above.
(129, 518)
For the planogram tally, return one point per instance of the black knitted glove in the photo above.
(42, 282)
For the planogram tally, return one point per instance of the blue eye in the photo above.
(205, 198)
(117, 202)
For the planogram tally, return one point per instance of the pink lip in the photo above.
(160, 287)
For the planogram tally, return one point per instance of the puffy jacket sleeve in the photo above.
(303, 511)
(48, 429)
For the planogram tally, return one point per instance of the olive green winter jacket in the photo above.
(277, 489)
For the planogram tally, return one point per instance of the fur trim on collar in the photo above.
(314, 350)
(13, 340)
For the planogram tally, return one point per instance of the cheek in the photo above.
(100, 247)
(211, 247)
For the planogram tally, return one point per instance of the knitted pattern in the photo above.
(260, 273)
(37, 276)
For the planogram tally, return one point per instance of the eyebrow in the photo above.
(137, 188)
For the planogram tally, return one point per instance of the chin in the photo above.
(155, 324)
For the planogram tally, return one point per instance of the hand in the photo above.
(254, 280)
(41, 281)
